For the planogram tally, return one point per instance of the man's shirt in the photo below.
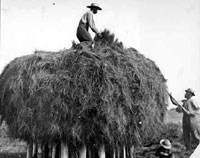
(88, 20)
(192, 107)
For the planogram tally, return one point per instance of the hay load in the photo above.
(107, 95)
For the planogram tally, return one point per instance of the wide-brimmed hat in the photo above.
(165, 143)
(190, 90)
(94, 5)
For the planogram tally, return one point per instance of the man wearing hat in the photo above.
(191, 117)
(87, 22)
(164, 151)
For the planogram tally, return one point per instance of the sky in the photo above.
(166, 31)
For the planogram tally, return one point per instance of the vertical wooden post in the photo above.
(118, 152)
(35, 148)
(64, 150)
(53, 155)
(82, 152)
(114, 153)
(101, 152)
(39, 151)
(124, 151)
(132, 151)
(29, 149)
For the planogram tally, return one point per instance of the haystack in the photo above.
(103, 95)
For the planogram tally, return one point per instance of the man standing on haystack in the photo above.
(191, 117)
(87, 22)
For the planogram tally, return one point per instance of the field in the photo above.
(173, 120)
(173, 116)
(10, 148)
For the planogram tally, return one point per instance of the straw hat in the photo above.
(165, 143)
(190, 90)
(94, 5)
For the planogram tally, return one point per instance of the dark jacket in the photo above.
(164, 153)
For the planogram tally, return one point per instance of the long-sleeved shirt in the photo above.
(191, 108)
(88, 20)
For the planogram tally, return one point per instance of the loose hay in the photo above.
(83, 95)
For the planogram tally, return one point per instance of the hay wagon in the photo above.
(83, 102)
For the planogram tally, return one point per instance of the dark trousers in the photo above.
(191, 130)
(82, 33)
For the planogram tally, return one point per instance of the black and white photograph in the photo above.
(100, 79)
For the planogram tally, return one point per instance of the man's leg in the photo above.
(83, 35)
(186, 136)
(195, 129)
(195, 132)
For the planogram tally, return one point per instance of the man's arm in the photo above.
(179, 108)
(187, 111)
(173, 100)
(91, 23)
(178, 104)
(190, 111)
